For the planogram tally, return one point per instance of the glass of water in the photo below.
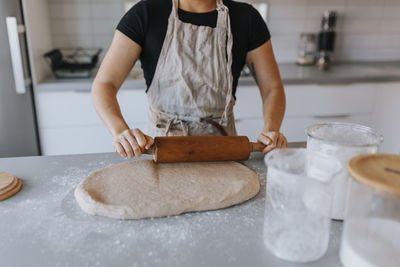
(342, 141)
(298, 203)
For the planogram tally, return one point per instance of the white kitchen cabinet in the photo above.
(250, 127)
(248, 103)
(307, 105)
(75, 140)
(386, 116)
(65, 109)
(329, 100)
(295, 128)
(68, 123)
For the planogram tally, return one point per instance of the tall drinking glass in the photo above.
(298, 203)
(342, 141)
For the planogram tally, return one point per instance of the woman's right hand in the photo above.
(131, 143)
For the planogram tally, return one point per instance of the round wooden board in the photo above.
(6, 180)
(9, 187)
(12, 191)
(380, 171)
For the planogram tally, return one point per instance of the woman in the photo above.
(192, 53)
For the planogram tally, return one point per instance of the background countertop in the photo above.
(291, 73)
(43, 225)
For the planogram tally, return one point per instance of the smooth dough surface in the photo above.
(143, 189)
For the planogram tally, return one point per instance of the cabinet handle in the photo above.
(16, 58)
(334, 116)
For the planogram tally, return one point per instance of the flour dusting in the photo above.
(52, 224)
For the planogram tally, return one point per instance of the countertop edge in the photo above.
(292, 74)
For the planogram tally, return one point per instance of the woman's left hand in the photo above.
(272, 140)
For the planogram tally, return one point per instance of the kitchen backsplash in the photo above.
(367, 30)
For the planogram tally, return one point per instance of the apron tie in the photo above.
(172, 119)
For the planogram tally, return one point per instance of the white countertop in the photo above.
(43, 225)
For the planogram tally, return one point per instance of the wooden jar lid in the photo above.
(9, 185)
(380, 171)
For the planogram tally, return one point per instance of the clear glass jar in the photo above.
(342, 141)
(298, 203)
(371, 235)
(307, 48)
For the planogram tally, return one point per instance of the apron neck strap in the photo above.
(175, 6)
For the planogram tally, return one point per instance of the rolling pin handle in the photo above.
(257, 147)
(149, 151)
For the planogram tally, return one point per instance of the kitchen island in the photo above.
(43, 225)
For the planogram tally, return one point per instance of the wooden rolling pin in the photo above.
(202, 148)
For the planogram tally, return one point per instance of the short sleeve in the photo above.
(134, 23)
(258, 32)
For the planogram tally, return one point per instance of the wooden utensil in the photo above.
(202, 148)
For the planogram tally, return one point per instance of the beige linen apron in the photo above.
(191, 91)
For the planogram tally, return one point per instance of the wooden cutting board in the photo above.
(9, 185)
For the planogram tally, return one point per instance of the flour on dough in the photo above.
(143, 189)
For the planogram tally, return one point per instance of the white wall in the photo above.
(367, 29)
(88, 23)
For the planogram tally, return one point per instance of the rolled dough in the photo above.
(143, 189)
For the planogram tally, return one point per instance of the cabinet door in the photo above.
(295, 128)
(250, 127)
(385, 118)
(134, 107)
(306, 105)
(310, 100)
(66, 108)
(248, 103)
(329, 100)
(68, 123)
(76, 140)
(75, 108)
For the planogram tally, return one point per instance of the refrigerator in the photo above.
(18, 123)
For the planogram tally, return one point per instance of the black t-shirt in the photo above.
(146, 24)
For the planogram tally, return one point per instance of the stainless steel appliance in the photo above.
(18, 125)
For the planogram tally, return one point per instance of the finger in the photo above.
(265, 140)
(281, 142)
(140, 138)
(268, 149)
(127, 146)
(120, 150)
(273, 136)
(133, 143)
(285, 142)
(149, 141)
